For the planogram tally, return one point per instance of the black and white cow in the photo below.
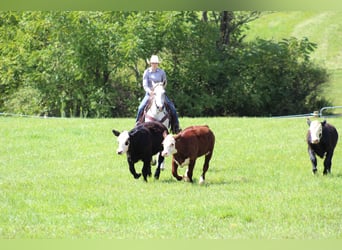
(322, 139)
(141, 143)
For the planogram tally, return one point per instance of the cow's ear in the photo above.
(308, 121)
(115, 132)
(324, 122)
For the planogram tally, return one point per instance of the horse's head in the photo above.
(159, 94)
(155, 109)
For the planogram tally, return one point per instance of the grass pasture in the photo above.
(60, 178)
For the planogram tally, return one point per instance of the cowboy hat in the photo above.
(154, 59)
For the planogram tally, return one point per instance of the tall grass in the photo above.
(60, 178)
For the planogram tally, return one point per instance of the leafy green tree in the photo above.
(272, 78)
(90, 64)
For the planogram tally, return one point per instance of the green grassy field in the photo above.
(324, 28)
(60, 178)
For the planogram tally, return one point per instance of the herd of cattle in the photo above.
(150, 138)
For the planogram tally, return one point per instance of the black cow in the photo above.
(322, 139)
(141, 143)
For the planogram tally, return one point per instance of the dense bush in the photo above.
(26, 100)
(268, 78)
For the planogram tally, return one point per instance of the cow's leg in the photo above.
(189, 172)
(174, 170)
(327, 163)
(146, 170)
(132, 169)
(205, 168)
(313, 160)
(160, 162)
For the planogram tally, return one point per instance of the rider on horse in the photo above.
(155, 74)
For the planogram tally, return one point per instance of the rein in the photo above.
(166, 116)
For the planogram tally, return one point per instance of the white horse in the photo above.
(155, 109)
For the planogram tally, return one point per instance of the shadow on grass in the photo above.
(238, 180)
(338, 175)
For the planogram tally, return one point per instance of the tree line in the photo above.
(90, 64)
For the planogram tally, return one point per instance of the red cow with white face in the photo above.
(186, 147)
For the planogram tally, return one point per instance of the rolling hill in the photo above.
(323, 28)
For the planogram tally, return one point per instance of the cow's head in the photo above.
(169, 146)
(123, 141)
(315, 130)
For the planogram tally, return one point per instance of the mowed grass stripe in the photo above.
(60, 178)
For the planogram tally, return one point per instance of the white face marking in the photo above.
(123, 140)
(159, 93)
(169, 146)
(315, 131)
